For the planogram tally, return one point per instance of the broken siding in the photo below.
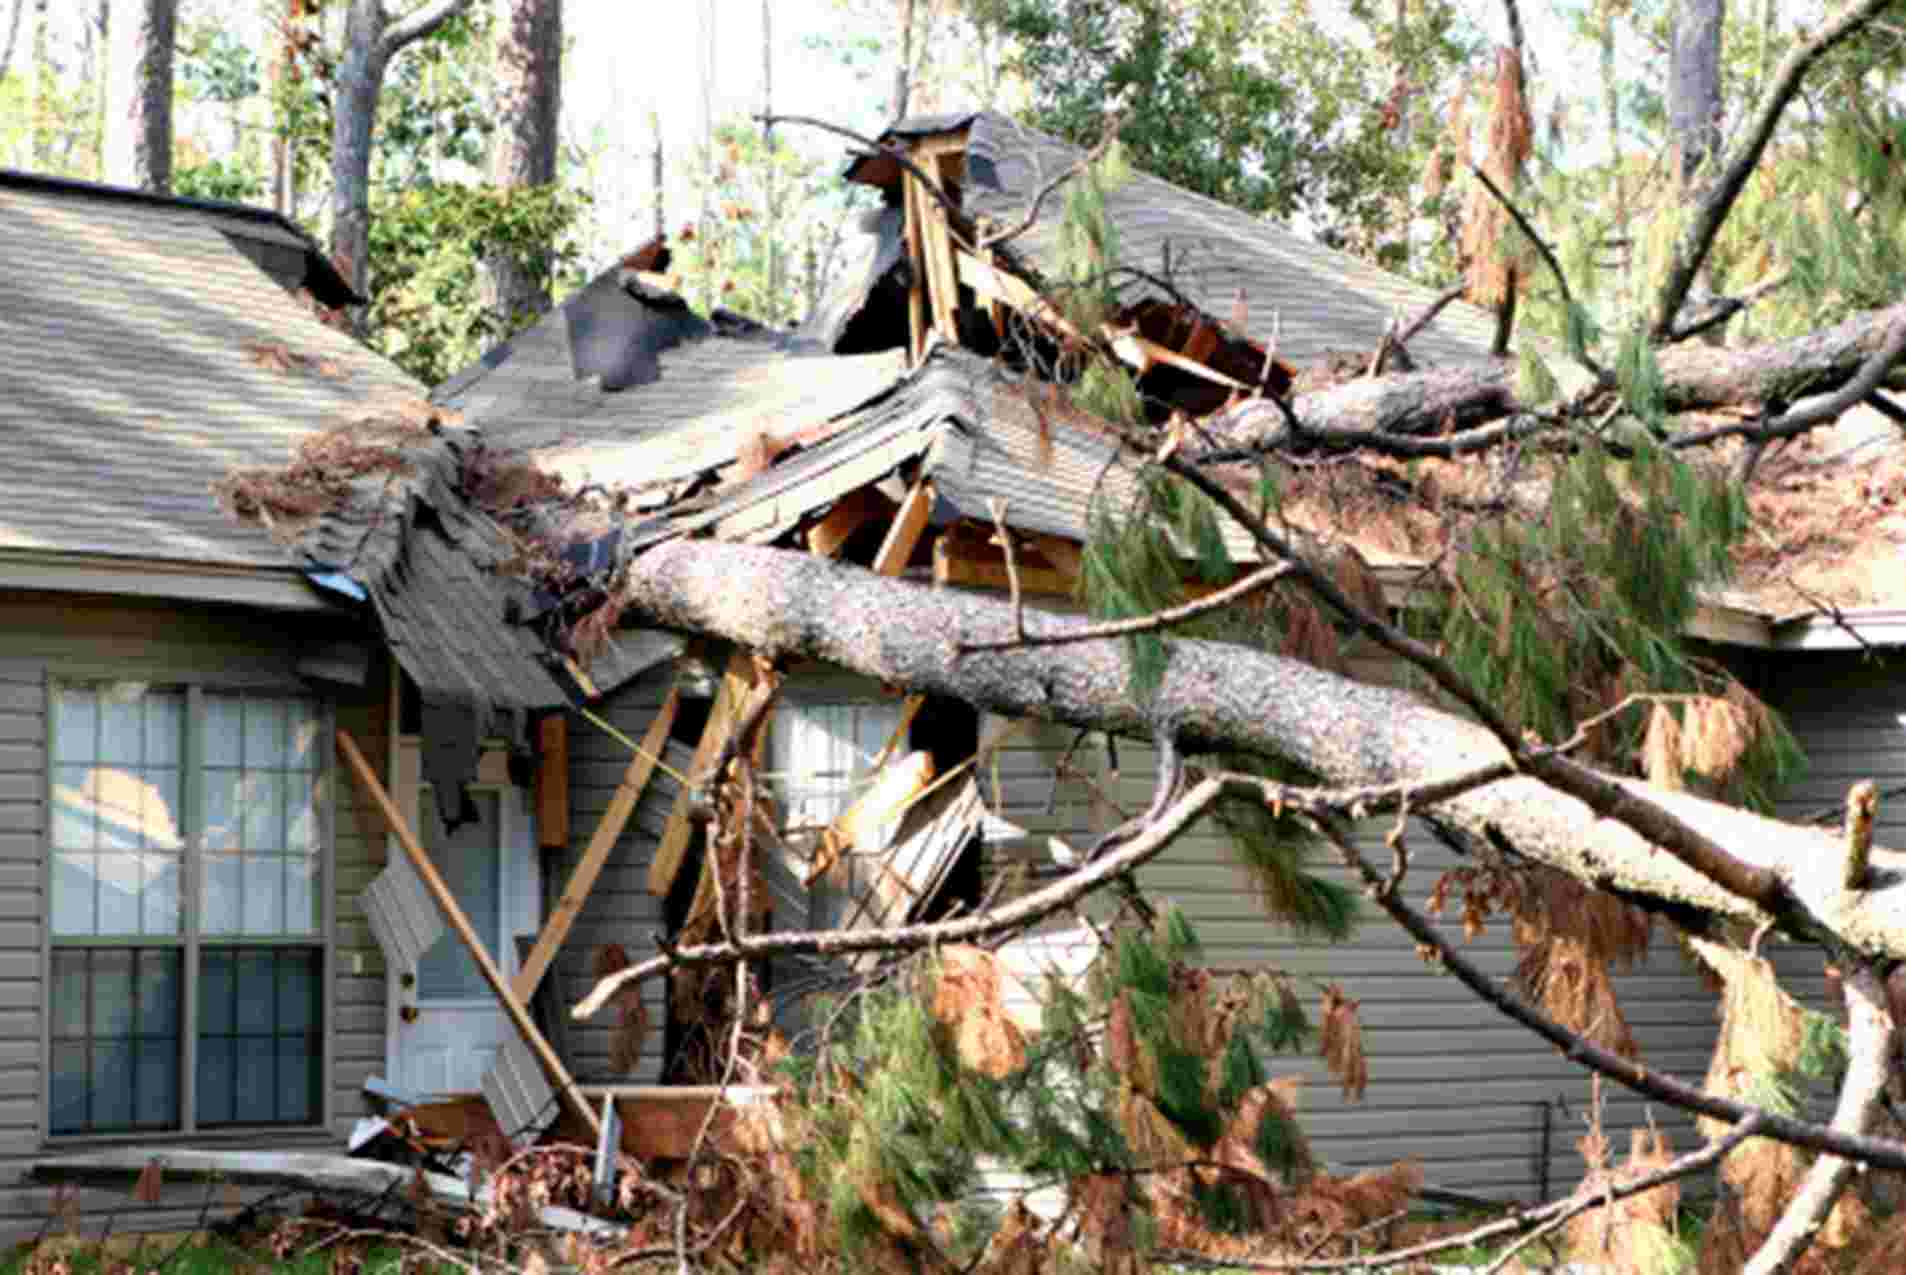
(40, 635)
(1482, 1135)
(620, 908)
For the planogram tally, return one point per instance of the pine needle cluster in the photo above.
(1143, 559)
(1143, 1090)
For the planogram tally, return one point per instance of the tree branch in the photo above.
(419, 24)
(1166, 824)
(1832, 1139)
(1555, 267)
(1719, 200)
(1870, 1029)
(1531, 1224)
(1218, 697)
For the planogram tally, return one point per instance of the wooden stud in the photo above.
(460, 924)
(916, 290)
(552, 784)
(608, 830)
(850, 513)
(970, 562)
(908, 525)
(723, 716)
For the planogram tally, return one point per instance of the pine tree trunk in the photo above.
(1694, 82)
(284, 78)
(35, 88)
(771, 214)
(371, 39)
(903, 72)
(13, 36)
(523, 149)
(360, 78)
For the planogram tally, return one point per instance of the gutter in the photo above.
(266, 588)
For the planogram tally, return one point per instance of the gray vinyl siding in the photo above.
(41, 636)
(1453, 1084)
(1848, 712)
(620, 908)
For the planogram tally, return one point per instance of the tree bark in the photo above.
(13, 36)
(1870, 1031)
(1694, 82)
(1221, 697)
(138, 140)
(523, 150)
(371, 39)
(903, 70)
(1693, 378)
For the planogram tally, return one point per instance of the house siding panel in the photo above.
(620, 908)
(1421, 1028)
(41, 636)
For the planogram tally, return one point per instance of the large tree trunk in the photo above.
(1227, 698)
(903, 68)
(1694, 82)
(13, 36)
(138, 140)
(371, 39)
(523, 150)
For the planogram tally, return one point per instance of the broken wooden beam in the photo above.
(723, 717)
(459, 924)
(904, 534)
(552, 782)
(850, 513)
(298, 1170)
(608, 831)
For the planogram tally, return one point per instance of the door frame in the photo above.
(522, 891)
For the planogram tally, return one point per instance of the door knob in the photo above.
(408, 1013)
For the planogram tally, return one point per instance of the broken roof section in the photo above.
(1307, 298)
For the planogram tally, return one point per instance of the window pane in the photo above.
(116, 787)
(115, 1038)
(264, 810)
(264, 733)
(264, 895)
(301, 896)
(261, 801)
(224, 894)
(75, 818)
(275, 1016)
(119, 877)
(224, 730)
(471, 862)
(122, 729)
(76, 723)
(303, 726)
(218, 991)
(71, 908)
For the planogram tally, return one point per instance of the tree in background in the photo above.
(371, 40)
(767, 203)
(523, 148)
(138, 133)
(1251, 102)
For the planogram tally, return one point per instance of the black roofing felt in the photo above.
(321, 278)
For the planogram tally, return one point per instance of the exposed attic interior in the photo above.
(930, 268)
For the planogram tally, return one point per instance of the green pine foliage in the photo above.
(890, 1103)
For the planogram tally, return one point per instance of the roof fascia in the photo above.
(322, 277)
(1852, 629)
(266, 588)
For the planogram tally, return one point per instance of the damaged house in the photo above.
(523, 754)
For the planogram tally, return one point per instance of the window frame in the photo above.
(197, 682)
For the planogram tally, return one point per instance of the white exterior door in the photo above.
(448, 1026)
